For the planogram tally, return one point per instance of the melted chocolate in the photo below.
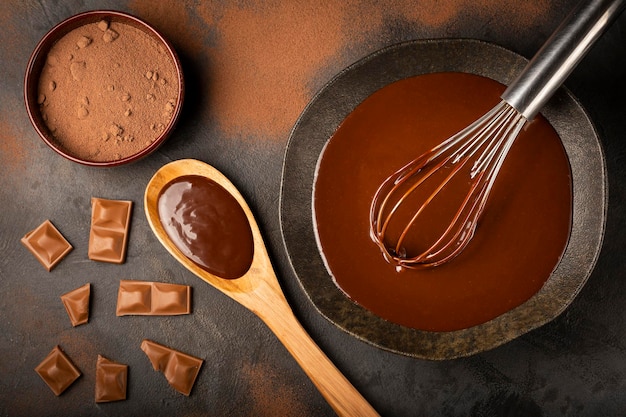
(208, 225)
(519, 241)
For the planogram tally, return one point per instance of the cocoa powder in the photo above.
(13, 151)
(268, 58)
(107, 91)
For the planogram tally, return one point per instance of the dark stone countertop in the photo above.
(250, 69)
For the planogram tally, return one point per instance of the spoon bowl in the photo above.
(258, 290)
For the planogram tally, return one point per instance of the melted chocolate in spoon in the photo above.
(208, 225)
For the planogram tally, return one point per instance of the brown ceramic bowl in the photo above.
(347, 90)
(38, 59)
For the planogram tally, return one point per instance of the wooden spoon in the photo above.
(259, 291)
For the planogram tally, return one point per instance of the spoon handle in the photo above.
(332, 384)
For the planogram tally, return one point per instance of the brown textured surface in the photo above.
(88, 143)
(105, 93)
(250, 68)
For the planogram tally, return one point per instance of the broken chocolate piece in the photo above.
(108, 238)
(111, 380)
(58, 371)
(47, 244)
(76, 304)
(146, 298)
(180, 369)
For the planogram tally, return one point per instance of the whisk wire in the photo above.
(419, 211)
(485, 142)
(419, 164)
(498, 135)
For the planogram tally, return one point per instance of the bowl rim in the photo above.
(37, 59)
(338, 98)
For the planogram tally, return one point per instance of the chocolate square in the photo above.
(47, 244)
(170, 299)
(111, 380)
(58, 371)
(134, 298)
(152, 298)
(180, 369)
(108, 237)
(76, 304)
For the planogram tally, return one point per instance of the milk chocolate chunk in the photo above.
(108, 237)
(76, 304)
(180, 369)
(146, 298)
(47, 244)
(58, 371)
(111, 380)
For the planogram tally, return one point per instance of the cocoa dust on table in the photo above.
(107, 91)
(268, 58)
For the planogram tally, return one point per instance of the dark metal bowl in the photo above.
(38, 59)
(348, 89)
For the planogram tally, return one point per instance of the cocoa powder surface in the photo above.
(13, 149)
(107, 91)
(15, 152)
(264, 60)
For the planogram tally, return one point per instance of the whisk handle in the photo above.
(560, 54)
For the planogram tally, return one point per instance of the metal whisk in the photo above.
(466, 165)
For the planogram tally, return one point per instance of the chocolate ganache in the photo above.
(519, 240)
(208, 225)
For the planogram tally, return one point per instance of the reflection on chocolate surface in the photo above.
(153, 299)
(180, 369)
(208, 225)
(58, 371)
(111, 380)
(76, 304)
(108, 237)
(519, 241)
(47, 244)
